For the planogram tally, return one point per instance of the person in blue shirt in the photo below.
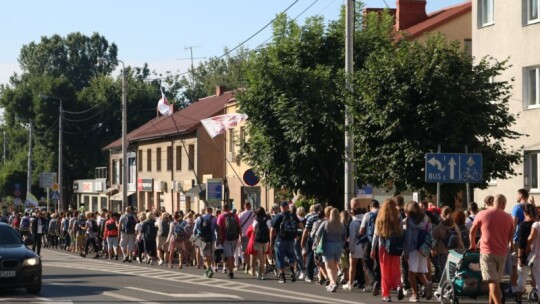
(518, 216)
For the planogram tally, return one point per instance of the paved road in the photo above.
(69, 278)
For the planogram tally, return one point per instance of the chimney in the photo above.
(409, 13)
(220, 90)
(171, 107)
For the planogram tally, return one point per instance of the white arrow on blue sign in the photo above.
(453, 168)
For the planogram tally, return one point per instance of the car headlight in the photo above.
(31, 262)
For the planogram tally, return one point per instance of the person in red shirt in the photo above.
(229, 234)
(497, 230)
(111, 235)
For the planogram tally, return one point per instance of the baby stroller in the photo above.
(462, 277)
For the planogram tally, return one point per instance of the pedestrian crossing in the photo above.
(65, 260)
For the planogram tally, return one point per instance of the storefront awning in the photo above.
(110, 191)
(118, 196)
(196, 190)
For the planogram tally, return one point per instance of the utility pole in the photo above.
(349, 189)
(192, 67)
(29, 173)
(60, 159)
(5, 147)
(125, 163)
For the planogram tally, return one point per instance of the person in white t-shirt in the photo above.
(246, 217)
(534, 247)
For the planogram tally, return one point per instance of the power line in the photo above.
(91, 117)
(48, 128)
(82, 112)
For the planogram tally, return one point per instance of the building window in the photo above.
(231, 140)
(116, 172)
(533, 12)
(178, 158)
(532, 87)
(149, 160)
(169, 158)
(140, 160)
(158, 159)
(467, 47)
(485, 12)
(191, 155)
(531, 171)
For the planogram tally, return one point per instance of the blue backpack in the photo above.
(370, 228)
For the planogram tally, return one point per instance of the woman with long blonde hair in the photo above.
(387, 227)
(334, 235)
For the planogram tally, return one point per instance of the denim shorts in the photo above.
(332, 251)
(285, 253)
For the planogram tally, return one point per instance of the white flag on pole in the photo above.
(163, 106)
(219, 124)
(31, 200)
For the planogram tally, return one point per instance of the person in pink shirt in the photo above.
(497, 229)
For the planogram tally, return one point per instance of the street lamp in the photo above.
(124, 131)
(60, 151)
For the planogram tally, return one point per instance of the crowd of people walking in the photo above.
(392, 248)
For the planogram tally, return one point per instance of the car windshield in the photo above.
(8, 236)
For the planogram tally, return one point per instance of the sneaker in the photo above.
(387, 299)
(210, 273)
(400, 295)
(293, 277)
(376, 288)
(308, 280)
(413, 299)
(347, 287)
(125, 259)
(282, 278)
(262, 277)
(129, 260)
(160, 262)
(429, 291)
(149, 261)
(231, 275)
(367, 288)
(301, 276)
(334, 288)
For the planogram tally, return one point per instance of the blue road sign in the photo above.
(55, 195)
(453, 168)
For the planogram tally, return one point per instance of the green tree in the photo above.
(294, 99)
(412, 97)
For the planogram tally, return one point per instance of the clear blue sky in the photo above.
(156, 32)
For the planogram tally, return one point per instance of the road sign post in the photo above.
(453, 168)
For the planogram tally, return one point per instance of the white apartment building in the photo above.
(510, 29)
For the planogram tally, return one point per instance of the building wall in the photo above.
(458, 29)
(235, 180)
(508, 38)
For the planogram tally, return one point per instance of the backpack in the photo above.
(232, 230)
(182, 231)
(95, 227)
(262, 234)
(165, 227)
(451, 238)
(65, 225)
(53, 226)
(111, 226)
(150, 232)
(370, 229)
(205, 232)
(394, 245)
(130, 224)
(425, 240)
(287, 228)
(25, 224)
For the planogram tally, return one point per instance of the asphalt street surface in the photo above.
(68, 278)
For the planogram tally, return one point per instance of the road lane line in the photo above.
(188, 295)
(127, 298)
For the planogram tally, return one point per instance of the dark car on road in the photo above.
(20, 267)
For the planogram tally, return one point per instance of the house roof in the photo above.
(183, 121)
(437, 18)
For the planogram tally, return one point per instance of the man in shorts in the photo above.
(206, 246)
(283, 231)
(497, 228)
(127, 234)
(246, 220)
(227, 237)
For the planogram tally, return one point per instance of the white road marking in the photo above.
(33, 300)
(195, 280)
(127, 298)
(188, 295)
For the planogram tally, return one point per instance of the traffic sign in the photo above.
(250, 178)
(55, 186)
(453, 168)
(55, 195)
(47, 179)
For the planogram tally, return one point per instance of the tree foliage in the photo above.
(294, 99)
(413, 97)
